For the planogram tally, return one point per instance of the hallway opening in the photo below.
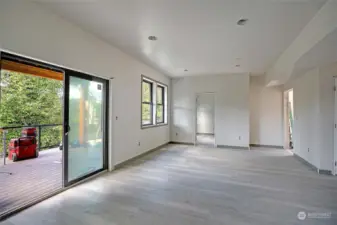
(205, 119)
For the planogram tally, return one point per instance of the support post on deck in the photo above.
(4, 153)
(39, 139)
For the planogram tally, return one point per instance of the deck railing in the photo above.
(16, 132)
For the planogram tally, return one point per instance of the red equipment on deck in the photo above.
(25, 146)
(28, 132)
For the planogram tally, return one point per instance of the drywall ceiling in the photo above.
(198, 35)
(322, 54)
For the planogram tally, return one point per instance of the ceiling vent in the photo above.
(242, 22)
(152, 38)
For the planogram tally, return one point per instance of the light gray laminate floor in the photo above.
(182, 185)
(205, 140)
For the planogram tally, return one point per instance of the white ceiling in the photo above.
(199, 35)
(323, 53)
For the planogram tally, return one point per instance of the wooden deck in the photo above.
(26, 180)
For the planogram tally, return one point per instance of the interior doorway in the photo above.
(288, 119)
(205, 119)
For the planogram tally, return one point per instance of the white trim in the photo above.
(334, 172)
(285, 120)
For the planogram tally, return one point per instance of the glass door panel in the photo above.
(85, 147)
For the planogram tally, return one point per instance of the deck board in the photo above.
(26, 180)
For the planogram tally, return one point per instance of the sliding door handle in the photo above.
(66, 129)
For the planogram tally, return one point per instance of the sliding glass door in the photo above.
(85, 147)
(37, 157)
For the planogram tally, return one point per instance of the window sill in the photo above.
(156, 125)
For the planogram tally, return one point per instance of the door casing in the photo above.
(335, 132)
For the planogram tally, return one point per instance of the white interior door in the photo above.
(205, 113)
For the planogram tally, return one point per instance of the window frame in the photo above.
(154, 85)
(150, 103)
(159, 86)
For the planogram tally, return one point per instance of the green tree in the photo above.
(146, 103)
(27, 100)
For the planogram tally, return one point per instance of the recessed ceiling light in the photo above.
(152, 38)
(185, 70)
(242, 22)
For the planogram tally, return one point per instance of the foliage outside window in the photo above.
(25, 100)
(153, 103)
(147, 105)
(160, 104)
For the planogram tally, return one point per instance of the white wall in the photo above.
(30, 30)
(314, 116)
(266, 113)
(327, 104)
(306, 117)
(231, 108)
(205, 113)
(321, 25)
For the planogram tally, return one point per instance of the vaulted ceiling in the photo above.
(201, 36)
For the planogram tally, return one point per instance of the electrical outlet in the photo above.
(176, 134)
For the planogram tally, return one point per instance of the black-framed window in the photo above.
(160, 106)
(154, 103)
(147, 102)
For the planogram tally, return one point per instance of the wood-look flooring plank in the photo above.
(195, 185)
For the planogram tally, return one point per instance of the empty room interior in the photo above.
(173, 112)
